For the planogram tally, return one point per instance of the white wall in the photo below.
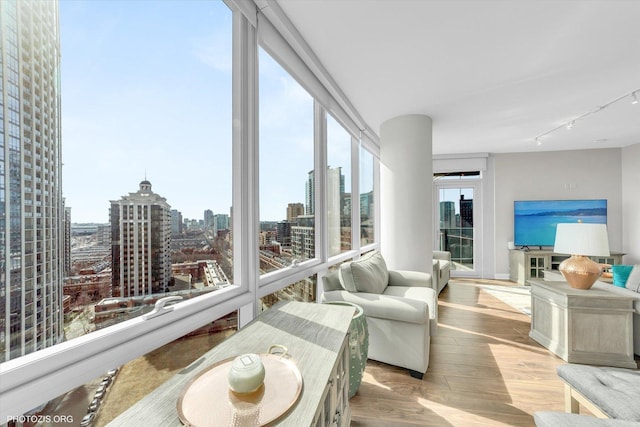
(581, 174)
(631, 203)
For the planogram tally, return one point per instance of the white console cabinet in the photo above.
(316, 336)
(531, 264)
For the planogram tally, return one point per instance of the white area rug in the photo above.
(518, 297)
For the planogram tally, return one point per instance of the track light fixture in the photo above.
(571, 123)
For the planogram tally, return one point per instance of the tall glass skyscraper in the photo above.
(31, 204)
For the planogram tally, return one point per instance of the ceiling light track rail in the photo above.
(633, 95)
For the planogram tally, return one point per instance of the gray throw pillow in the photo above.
(633, 281)
(367, 274)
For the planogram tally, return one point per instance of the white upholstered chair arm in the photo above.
(384, 306)
(445, 255)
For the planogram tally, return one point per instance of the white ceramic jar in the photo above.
(246, 374)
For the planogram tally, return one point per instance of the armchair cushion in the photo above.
(331, 282)
(367, 274)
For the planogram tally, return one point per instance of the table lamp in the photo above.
(581, 240)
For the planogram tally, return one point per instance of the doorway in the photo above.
(457, 220)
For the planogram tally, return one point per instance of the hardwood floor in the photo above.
(484, 370)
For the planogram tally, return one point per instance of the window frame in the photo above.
(35, 378)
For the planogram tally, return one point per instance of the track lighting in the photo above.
(572, 122)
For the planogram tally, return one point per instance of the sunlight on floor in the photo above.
(370, 379)
(445, 413)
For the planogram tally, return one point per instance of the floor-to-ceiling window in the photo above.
(287, 175)
(190, 109)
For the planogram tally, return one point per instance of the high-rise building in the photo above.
(466, 212)
(447, 214)
(103, 235)
(303, 238)
(310, 194)
(283, 233)
(176, 222)
(140, 243)
(208, 218)
(220, 222)
(366, 205)
(31, 204)
(294, 210)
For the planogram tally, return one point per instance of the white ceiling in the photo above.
(493, 75)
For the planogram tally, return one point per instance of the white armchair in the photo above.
(401, 308)
(441, 269)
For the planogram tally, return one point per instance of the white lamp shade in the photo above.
(582, 239)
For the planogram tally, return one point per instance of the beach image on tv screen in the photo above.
(535, 220)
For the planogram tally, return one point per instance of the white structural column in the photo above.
(406, 187)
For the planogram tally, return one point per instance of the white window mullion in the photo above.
(320, 165)
(245, 215)
(322, 235)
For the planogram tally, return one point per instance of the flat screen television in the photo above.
(535, 220)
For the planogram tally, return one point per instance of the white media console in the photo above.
(530, 264)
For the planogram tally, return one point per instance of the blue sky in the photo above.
(146, 92)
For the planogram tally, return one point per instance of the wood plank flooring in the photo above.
(484, 370)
